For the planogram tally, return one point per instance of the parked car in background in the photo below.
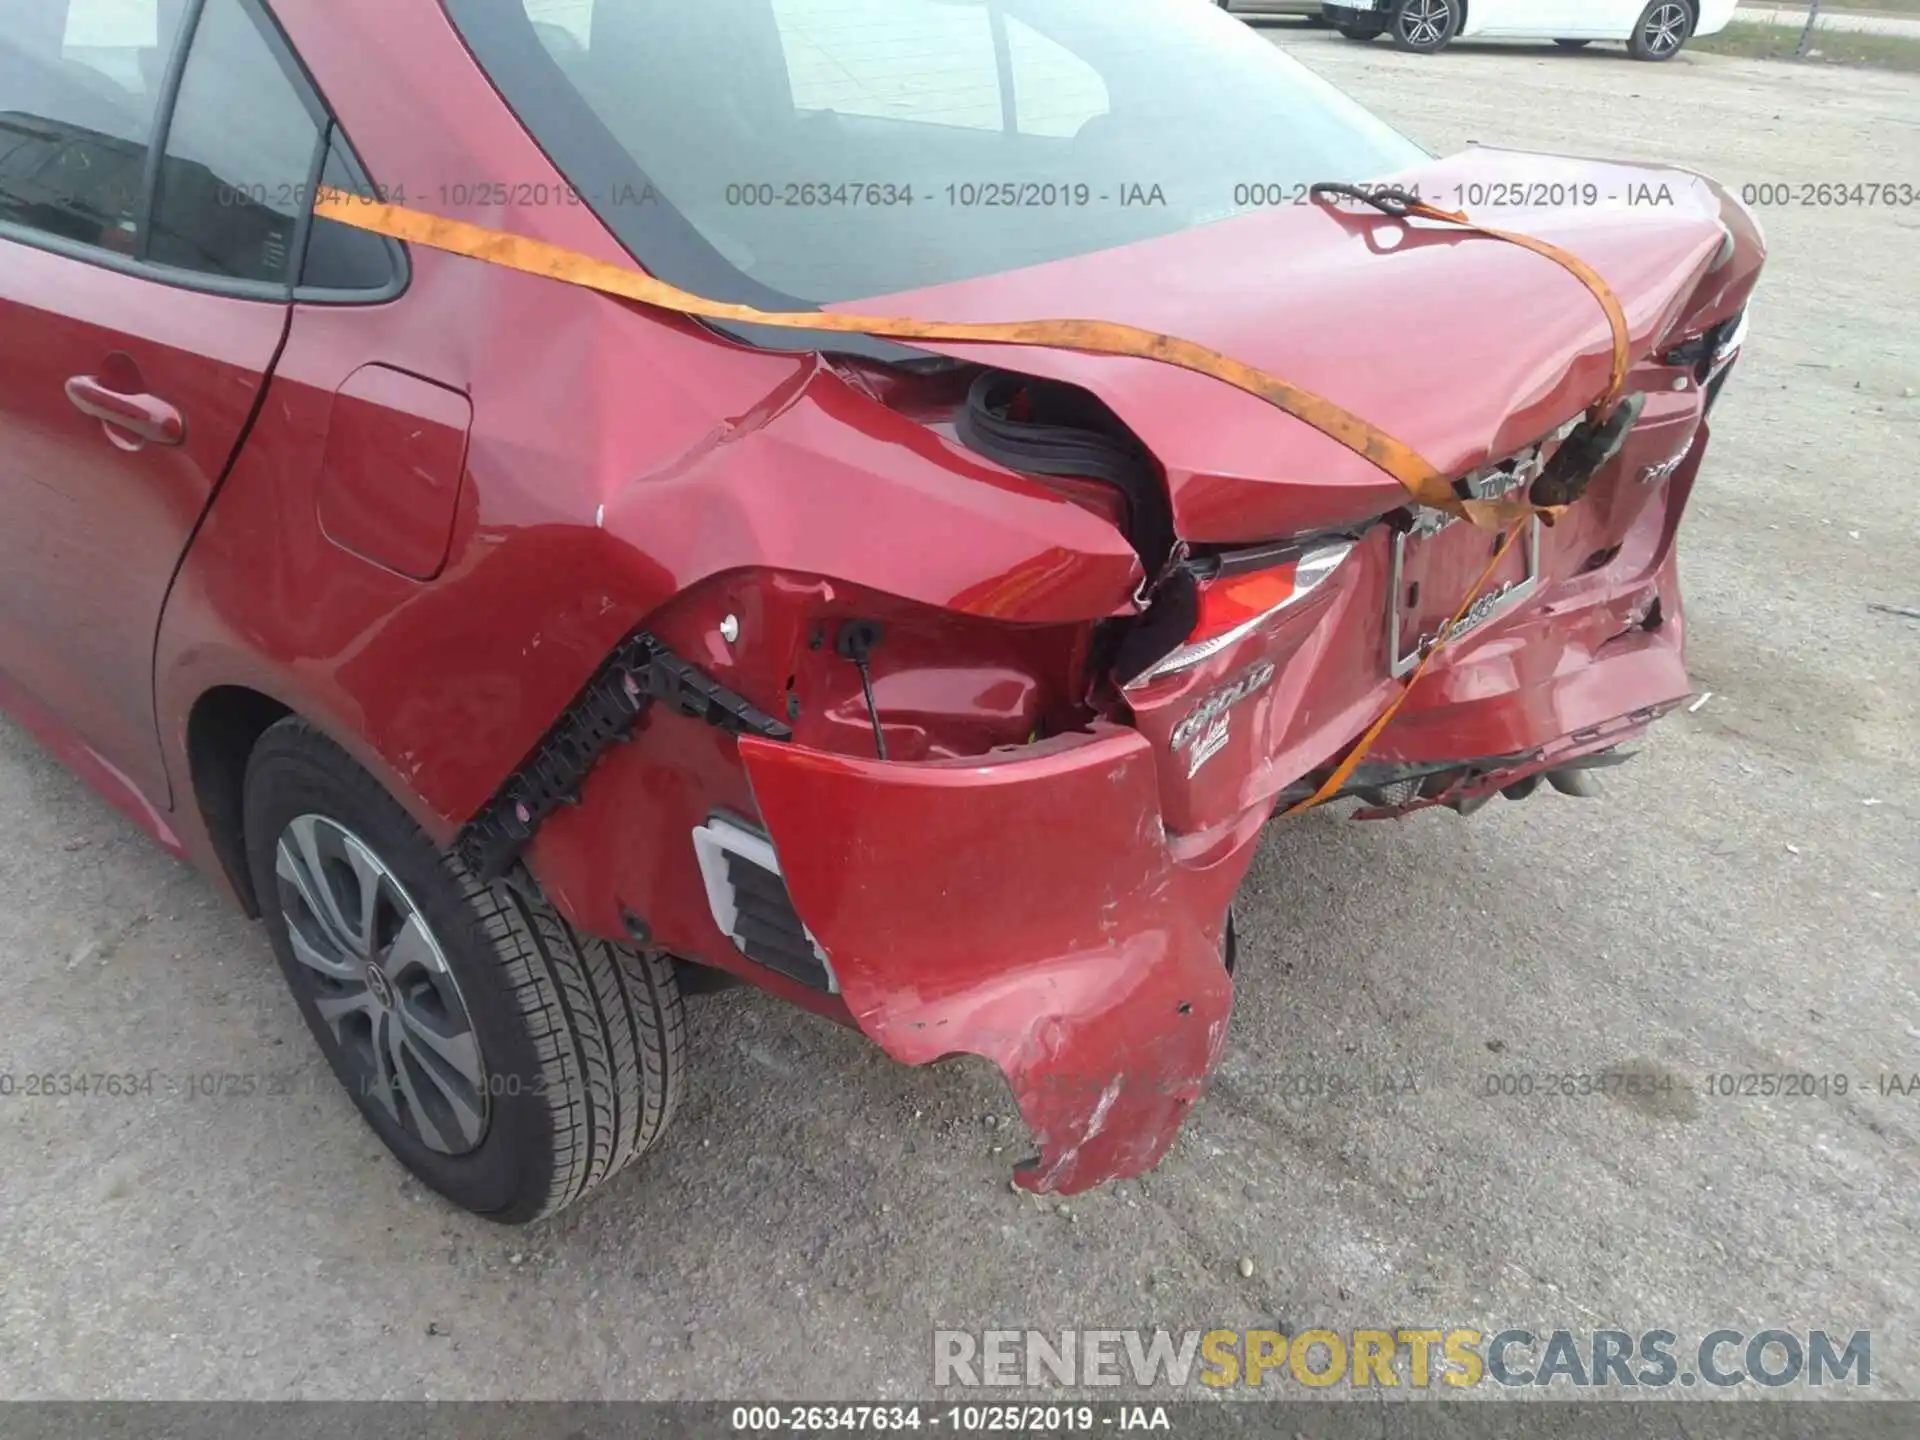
(1309, 8)
(1651, 29)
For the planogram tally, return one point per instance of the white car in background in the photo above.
(1652, 29)
(1310, 8)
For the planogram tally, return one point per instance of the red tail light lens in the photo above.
(1233, 607)
(1226, 605)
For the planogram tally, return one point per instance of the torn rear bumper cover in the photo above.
(1025, 908)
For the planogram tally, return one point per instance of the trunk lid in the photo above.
(1466, 348)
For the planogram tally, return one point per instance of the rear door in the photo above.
(1578, 19)
(155, 162)
(1534, 19)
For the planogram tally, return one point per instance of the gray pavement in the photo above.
(1745, 898)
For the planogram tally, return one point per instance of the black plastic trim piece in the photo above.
(1065, 431)
(641, 671)
(1223, 562)
(1372, 778)
(163, 126)
(1159, 632)
(767, 929)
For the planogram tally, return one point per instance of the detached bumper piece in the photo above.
(639, 673)
(959, 921)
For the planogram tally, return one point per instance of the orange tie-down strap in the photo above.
(1361, 748)
(1099, 337)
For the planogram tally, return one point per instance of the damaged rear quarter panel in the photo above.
(1022, 907)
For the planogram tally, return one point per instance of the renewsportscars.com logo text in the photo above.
(1398, 1358)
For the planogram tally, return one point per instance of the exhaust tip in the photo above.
(1580, 784)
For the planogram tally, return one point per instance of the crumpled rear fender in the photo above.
(1022, 907)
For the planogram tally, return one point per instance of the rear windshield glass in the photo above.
(775, 151)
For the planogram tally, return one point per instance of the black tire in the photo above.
(1424, 26)
(1662, 30)
(580, 1042)
(1573, 44)
(1362, 31)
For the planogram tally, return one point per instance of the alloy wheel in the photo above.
(1666, 28)
(1425, 23)
(379, 981)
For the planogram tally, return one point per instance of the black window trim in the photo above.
(163, 127)
(399, 261)
(326, 128)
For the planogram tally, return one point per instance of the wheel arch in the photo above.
(1466, 13)
(223, 727)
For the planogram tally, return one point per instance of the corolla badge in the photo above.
(1208, 722)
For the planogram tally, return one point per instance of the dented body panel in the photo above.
(958, 922)
(1392, 321)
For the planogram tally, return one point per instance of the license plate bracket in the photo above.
(1435, 561)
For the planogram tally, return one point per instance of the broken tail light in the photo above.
(1712, 353)
(1236, 601)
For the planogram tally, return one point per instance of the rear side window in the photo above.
(90, 89)
(80, 87)
(341, 257)
(237, 176)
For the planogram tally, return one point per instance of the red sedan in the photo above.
(526, 657)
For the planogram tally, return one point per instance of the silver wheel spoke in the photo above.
(332, 965)
(412, 1066)
(413, 948)
(335, 1008)
(402, 1035)
(369, 873)
(404, 1068)
(380, 1083)
(302, 864)
(458, 1053)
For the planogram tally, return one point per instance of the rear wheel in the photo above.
(510, 1062)
(1424, 26)
(1663, 28)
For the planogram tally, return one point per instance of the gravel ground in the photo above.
(1743, 898)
